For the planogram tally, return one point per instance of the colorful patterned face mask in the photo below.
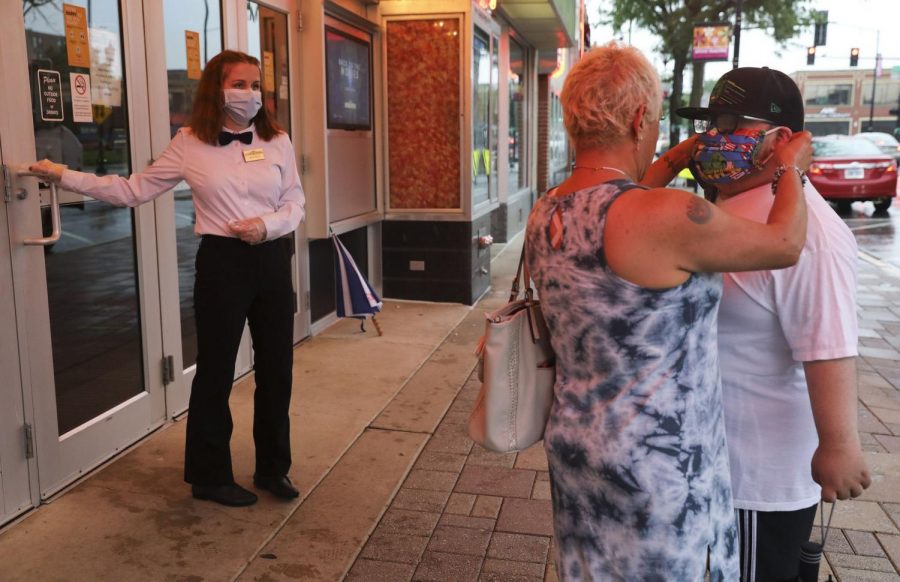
(721, 158)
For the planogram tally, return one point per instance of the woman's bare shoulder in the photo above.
(661, 212)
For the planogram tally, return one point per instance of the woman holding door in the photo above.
(247, 194)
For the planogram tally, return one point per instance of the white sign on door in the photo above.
(81, 98)
(106, 67)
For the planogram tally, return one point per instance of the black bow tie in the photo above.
(226, 137)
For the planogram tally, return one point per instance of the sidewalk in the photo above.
(391, 487)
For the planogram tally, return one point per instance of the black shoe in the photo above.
(280, 487)
(232, 495)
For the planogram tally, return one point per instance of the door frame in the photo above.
(17, 492)
(60, 459)
(19, 489)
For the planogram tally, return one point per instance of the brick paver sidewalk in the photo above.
(464, 513)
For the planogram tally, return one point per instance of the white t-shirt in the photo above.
(770, 322)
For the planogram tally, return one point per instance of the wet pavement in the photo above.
(876, 233)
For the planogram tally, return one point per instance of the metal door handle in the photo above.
(54, 215)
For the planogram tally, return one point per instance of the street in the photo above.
(876, 235)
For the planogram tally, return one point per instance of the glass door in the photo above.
(84, 272)
(192, 30)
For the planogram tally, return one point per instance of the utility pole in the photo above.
(875, 80)
(737, 33)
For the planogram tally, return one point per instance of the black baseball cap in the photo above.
(762, 93)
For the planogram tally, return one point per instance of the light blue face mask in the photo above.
(242, 105)
(721, 158)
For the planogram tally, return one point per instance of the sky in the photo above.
(853, 23)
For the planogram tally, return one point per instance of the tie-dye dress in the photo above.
(636, 442)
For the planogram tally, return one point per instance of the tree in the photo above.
(672, 21)
(29, 5)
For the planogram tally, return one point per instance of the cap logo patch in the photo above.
(773, 108)
(727, 93)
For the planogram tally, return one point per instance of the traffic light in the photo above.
(811, 55)
(854, 57)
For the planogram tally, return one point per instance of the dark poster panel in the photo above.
(347, 80)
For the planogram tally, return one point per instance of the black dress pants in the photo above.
(237, 282)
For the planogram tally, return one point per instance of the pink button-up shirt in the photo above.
(225, 186)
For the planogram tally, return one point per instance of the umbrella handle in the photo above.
(377, 326)
(822, 528)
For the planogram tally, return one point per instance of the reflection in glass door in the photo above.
(91, 271)
(267, 40)
(193, 32)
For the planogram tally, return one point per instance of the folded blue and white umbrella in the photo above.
(354, 295)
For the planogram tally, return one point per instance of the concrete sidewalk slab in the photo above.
(321, 539)
(422, 402)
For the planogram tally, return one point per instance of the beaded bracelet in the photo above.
(779, 172)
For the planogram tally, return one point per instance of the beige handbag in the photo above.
(517, 370)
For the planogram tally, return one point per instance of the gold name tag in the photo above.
(254, 155)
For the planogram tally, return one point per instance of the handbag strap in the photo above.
(514, 292)
(526, 281)
(530, 304)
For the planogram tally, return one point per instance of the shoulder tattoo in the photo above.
(699, 210)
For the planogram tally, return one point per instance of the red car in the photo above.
(847, 169)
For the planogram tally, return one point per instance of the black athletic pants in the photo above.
(237, 282)
(770, 543)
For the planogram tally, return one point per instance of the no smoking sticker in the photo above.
(81, 97)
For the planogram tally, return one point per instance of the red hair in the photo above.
(208, 113)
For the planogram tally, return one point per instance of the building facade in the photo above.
(842, 101)
(422, 129)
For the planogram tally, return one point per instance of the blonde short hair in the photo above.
(603, 91)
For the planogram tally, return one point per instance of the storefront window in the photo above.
(517, 104)
(559, 150)
(827, 127)
(485, 123)
(193, 32)
(887, 92)
(828, 94)
(423, 61)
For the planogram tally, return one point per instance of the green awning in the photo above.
(545, 24)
